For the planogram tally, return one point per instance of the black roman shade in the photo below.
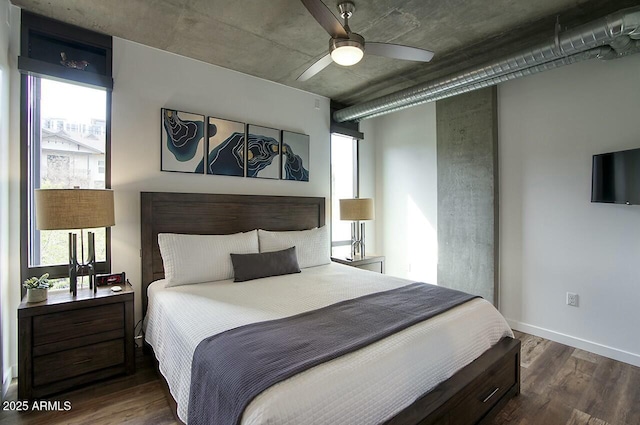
(349, 128)
(54, 49)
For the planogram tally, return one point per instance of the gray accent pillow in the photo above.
(254, 266)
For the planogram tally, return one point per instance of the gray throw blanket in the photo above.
(231, 368)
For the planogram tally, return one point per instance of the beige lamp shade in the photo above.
(66, 209)
(356, 209)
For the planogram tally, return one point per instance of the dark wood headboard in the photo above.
(210, 214)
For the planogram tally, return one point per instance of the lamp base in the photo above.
(81, 269)
(73, 263)
(357, 241)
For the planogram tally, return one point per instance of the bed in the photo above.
(466, 387)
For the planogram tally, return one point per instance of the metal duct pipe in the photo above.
(598, 52)
(622, 43)
(603, 53)
(633, 47)
(584, 37)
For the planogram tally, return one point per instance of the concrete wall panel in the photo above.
(467, 192)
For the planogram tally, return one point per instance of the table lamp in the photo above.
(76, 209)
(357, 210)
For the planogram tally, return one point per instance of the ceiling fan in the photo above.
(346, 48)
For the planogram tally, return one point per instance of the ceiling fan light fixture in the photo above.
(347, 52)
(347, 55)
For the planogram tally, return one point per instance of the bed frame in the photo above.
(472, 396)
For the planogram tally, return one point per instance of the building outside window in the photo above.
(344, 184)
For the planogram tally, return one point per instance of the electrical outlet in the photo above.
(317, 104)
(572, 299)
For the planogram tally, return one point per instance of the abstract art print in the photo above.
(182, 141)
(263, 152)
(226, 147)
(295, 156)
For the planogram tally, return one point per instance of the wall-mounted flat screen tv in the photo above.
(615, 177)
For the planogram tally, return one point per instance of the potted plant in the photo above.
(37, 288)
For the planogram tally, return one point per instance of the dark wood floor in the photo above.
(567, 386)
(135, 399)
(560, 386)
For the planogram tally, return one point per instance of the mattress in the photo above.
(364, 387)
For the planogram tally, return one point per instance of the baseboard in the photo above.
(572, 341)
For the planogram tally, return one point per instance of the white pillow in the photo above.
(202, 258)
(312, 246)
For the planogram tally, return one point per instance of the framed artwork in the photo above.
(226, 147)
(182, 141)
(263, 152)
(295, 156)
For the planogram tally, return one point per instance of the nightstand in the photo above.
(67, 341)
(372, 263)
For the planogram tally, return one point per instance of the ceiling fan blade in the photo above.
(323, 15)
(397, 51)
(318, 66)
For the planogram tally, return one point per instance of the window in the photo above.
(344, 184)
(60, 155)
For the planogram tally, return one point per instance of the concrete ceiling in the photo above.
(278, 39)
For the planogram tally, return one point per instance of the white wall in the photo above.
(5, 71)
(147, 79)
(12, 291)
(552, 238)
(406, 190)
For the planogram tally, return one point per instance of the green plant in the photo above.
(41, 282)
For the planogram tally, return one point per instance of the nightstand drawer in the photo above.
(68, 344)
(70, 363)
(56, 327)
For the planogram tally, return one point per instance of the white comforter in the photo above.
(364, 387)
